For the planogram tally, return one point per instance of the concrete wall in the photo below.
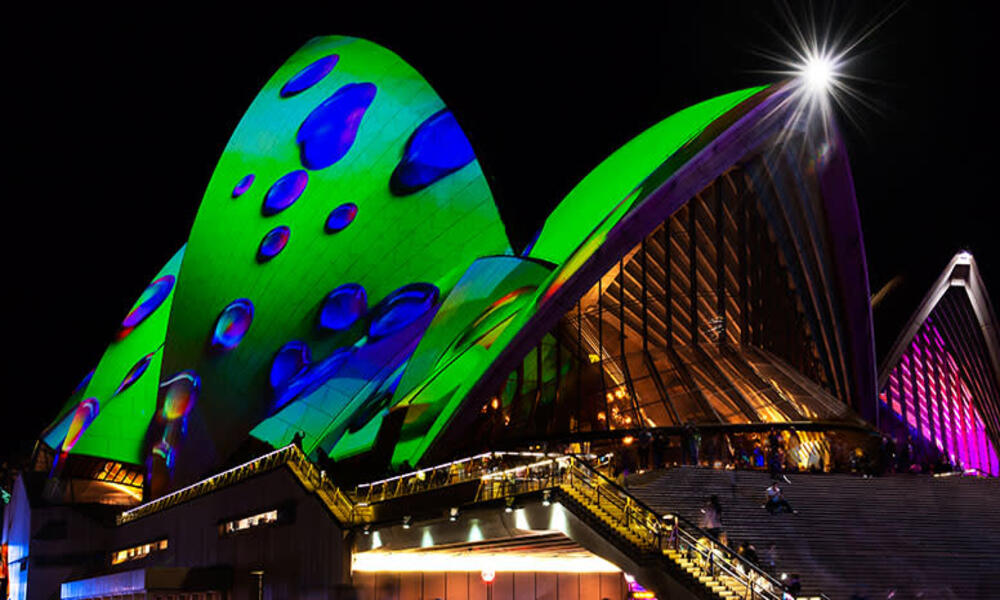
(302, 555)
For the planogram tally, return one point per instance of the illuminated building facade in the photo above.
(348, 277)
(940, 383)
(348, 286)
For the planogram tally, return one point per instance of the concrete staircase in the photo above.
(920, 536)
(674, 559)
(641, 535)
(689, 571)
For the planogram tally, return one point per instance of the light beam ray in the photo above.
(817, 57)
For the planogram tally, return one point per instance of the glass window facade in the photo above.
(931, 400)
(703, 321)
(237, 525)
(137, 552)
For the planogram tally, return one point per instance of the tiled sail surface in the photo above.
(322, 141)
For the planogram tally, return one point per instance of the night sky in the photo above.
(118, 120)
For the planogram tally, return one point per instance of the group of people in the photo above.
(711, 523)
(774, 503)
(779, 451)
(711, 512)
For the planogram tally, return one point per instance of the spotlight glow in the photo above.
(821, 64)
(818, 74)
(442, 561)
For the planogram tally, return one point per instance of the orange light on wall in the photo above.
(627, 440)
(377, 561)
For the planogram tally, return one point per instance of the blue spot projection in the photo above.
(134, 373)
(343, 307)
(84, 382)
(273, 243)
(375, 403)
(243, 185)
(309, 76)
(289, 362)
(437, 148)
(233, 323)
(341, 217)
(310, 379)
(329, 131)
(402, 307)
(180, 393)
(284, 192)
(151, 299)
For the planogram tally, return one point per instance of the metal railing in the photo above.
(315, 480)
(350, 508)
(456, 472)
(311, 478)
(672, 537)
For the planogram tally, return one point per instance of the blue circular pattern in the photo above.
(341, 217)
(329, 131)
(134, 373)
(343, 307)
(233, 323)
(436, 149)
(273, 243)
(309, 76)
(289, 362)
(284, 192)
(243, 185)
(401, 308)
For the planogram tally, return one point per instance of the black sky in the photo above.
(117, 121)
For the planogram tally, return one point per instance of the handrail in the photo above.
(680, 518)
(349, 507)
(642, 525)
(307, 473)
(260, 464)
(716, 554)
(445, 474)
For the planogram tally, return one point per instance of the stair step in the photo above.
(848, 526)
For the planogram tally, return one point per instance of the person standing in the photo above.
(774, 456)
(711, 518)
(771, 559)
(794, 585)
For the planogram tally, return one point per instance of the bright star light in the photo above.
(820, 65)
(818, 74)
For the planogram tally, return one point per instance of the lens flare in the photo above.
(821, 64)
(818, 74)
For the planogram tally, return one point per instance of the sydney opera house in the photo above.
(349, 383)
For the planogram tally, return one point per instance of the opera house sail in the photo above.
(348, 277)
(940, 383)
(349, 357)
